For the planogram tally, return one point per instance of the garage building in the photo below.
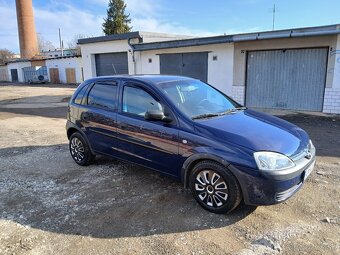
(293, 69)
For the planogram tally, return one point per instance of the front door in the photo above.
(150, 143)
(54, 75)
(14, 74)
(70, 75)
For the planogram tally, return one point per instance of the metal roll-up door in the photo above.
(193, 64)
(286, 79)
(112, 63)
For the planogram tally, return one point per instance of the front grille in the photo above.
(281, 196)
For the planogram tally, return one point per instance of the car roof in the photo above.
(149, 78)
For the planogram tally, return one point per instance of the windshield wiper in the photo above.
(210, 115)
(233, 110)
(204, 116)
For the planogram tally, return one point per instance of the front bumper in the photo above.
(260, 188)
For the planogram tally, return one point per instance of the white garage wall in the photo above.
(220, 71)
(332, 94)
(62, 64)
(89, 50)
(335, 57)
(18, 66)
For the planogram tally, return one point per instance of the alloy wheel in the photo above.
(77, 149)
(211, 188)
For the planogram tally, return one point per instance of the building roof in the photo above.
(18, 60)
(286, 33)
(107, 38)
(131, 35)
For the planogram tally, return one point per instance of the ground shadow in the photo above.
(48, 112)
(323, 130)
(107, 199)
(44, 106)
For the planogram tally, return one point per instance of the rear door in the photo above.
(98, 116)
(150, 143)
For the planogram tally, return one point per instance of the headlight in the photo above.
(267, 160)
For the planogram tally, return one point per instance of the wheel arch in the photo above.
(193, 160)
(72, 128)
(71, 131)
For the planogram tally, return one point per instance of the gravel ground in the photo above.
(50, 205)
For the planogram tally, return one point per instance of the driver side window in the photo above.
(138, 101)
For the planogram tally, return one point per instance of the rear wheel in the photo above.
(214, 187)
(80, 150)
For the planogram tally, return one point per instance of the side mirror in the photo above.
(156, 115)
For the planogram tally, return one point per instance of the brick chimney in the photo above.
(26, 28)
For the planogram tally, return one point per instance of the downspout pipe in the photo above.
(133, 51)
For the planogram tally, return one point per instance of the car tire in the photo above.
(80, 150)
(214, 187)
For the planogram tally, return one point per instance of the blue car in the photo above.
(186, 129)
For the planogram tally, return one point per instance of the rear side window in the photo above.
(80, 95)
(138, 101)
(103, 95)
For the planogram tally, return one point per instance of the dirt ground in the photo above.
(50, 205)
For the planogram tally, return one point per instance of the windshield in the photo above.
(197, 99)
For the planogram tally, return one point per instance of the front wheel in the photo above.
(80, 150)
(214, 187)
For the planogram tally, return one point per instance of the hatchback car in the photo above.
(186, 129)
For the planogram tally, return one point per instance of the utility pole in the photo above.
(274, 11)
(61, 44)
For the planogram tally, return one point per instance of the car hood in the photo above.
(256, 131)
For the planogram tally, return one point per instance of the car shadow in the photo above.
(43, 188)
(43, 106)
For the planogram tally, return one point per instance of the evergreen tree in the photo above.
(117, 22)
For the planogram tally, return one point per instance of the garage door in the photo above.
(194, 64)
(111, 63)
(286, 79)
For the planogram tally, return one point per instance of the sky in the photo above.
(188, 17)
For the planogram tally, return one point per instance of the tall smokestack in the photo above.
(26, 28)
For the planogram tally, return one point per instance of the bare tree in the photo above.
(73, 44)
(5, 55)
(44, 45)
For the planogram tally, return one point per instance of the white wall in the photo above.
(332, 94)
(18, 66)
(62, 64)
(220, 72)
(89, 50)
(335, 57)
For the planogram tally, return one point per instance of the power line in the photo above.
(274, 12)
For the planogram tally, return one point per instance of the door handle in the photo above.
(123, 126)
